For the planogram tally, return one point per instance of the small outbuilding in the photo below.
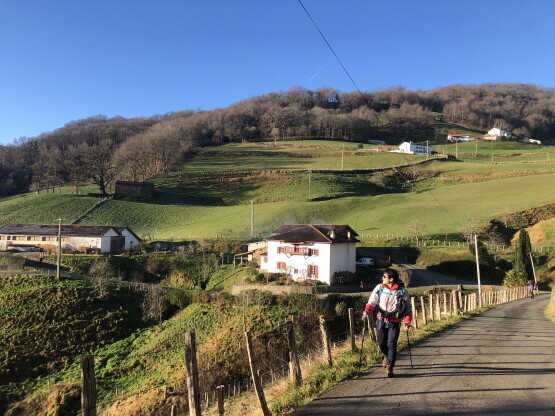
(134, 189)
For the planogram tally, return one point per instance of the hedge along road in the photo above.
(501, 362)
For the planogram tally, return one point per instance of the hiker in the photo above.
(531, 288)
(392, 304)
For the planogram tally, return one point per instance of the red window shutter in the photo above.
(315, 252)
(316, 272)
(280, 249)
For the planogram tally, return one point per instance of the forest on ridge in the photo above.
(99, 150)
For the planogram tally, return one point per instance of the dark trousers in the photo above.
(387, 340)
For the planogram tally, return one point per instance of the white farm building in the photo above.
(82, 238)
(411, 148)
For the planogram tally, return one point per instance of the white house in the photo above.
(499, 132)
(533, 141)
(104, 238)
(414, 149)
(453, 137)
(307, 251)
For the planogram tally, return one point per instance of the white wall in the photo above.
(343, 258)
(131, 241)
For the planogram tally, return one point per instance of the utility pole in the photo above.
(478, 271)
(342, 156)
(309, 181)
(427, 149)
(533, 269)
(59, 257)
(476, 151)
(456, 149)
(252, 218)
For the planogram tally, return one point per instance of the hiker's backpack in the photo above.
(401, 301)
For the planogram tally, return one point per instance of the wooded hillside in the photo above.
(99, 150)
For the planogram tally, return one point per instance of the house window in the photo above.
(296, 271)
(281, 265)
(312, 271)
(265, 259)
(281, 249)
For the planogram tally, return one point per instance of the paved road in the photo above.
(423, 277)
(499, 363)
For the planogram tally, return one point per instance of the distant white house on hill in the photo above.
(411, 148)
(80, 238)
(499, 132)
(307, 251)
(453, 137)
(532, 141)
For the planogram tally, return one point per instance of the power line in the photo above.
(368, 105)
(332, 51)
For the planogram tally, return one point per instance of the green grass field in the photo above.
(187, 207)
(43, 208)
(318, 157)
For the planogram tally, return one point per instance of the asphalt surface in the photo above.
(499, 363)
(423, 277)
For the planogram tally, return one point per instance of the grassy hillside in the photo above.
(43, 208)
(443, 194)
(442, 208)
(45, 324)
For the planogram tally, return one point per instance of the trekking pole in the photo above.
(408, 345)
(362, 343)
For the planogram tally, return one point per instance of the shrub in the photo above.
(513, 279)
(344, 278)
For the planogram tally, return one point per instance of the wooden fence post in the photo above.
(352, 328)
(431, 300)
(255, 378)
(423, 307)
(88, 386)
(173, 411)
(220, 398)
(326, 341)
(191, 368)
(415, 317)
(294, 366)
(438, 308)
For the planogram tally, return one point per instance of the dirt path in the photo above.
(501, 362)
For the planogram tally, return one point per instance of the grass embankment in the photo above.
(550, 311)
(45, 324)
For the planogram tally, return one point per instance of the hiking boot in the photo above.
(389, 371)
(384, 362)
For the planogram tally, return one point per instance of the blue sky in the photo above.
(66, 60)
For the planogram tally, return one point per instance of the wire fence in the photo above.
(270, 351)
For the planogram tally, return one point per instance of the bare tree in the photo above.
(417, 228)
(98, 164)
(101, 271)
(154, 304)
(470, 227)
